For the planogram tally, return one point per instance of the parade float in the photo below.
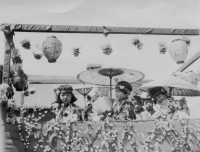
(36, 130)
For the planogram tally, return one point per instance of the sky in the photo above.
(119, 13)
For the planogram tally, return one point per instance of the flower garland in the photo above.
(162, 47)
(37, 55)
(186, 39)
(76, 51)
(107, 49)
(26, 44)
(136, 41)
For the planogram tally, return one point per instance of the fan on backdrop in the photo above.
(102, 104)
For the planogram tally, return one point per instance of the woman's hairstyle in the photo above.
(124, 87)
(67, 89)
(139, 100)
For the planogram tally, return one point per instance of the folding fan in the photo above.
(102, 104)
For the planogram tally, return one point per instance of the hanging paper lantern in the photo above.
(162, 47)
(26, 44)
(52, 48)
(105, 31)
(37, 55)
(189, 76)
(178, 51)
(107, 49)
(76, 51)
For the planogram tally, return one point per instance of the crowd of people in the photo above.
(157, 105)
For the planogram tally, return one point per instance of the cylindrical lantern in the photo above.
(178, 51)
(190, 77)
(52, 48)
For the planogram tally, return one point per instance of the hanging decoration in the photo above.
(26, 44)
(29, 91)
(16, 57)
(178, 50)
(106, 31)
(52, 48)
(18, 78)
(76, 51)
(162, 47)
(107, 49)
(37, 55)
(186, 39)
(136, 41)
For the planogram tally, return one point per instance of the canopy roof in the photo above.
(6, 27)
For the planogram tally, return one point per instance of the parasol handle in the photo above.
(110, 86)
(84, 100)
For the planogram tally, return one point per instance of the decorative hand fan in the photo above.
(102, 104)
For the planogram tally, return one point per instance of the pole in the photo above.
(85, 101)
(111, 87)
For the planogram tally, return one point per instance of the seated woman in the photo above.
(64, 106)
(182, 110)
(138, 109)
(149, 112)
(164, 103)
(123, 109)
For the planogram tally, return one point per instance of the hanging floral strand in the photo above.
(37, 55)
(107, 49)
(186, 39)
(162, 47)
(76, 51)
(16, 57)
(136, 41)
(26, 44)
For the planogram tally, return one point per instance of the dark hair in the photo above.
(69, 90)
(89, 97)
(127, 87)
(138, 99)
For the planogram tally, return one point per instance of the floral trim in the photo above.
(107, 49)
(26, 44)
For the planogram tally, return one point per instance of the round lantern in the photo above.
(190, 77)
(178, 51)
(52, 48)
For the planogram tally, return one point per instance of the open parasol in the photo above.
(84, 90)
(175, 86)
(109, 76)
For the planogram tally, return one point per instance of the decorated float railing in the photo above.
(39, 132)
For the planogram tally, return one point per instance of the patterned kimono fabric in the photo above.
(139, 114)
(167, 106)
(149, 115)
(123, 110)
(66, 111)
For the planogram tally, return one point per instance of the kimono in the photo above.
(167, 107)
(123, 110)
(149, 115)
(65, 113)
